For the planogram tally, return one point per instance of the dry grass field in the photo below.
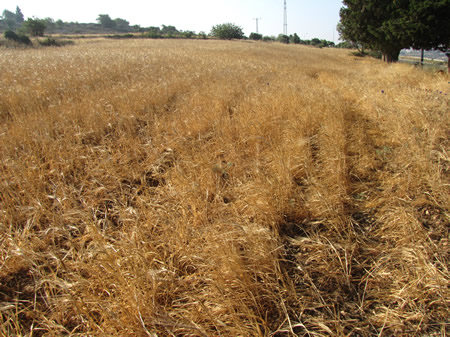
(209, 188)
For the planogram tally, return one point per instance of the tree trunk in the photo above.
(448, 62)
(422, 54)
(391, 56)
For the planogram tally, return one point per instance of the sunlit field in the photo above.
(210, 188)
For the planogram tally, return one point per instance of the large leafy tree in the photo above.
(227, 31)
(391, 25)
(106, 21)
(429, 24)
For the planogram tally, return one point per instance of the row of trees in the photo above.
(11, 21)
(15, 22)
(390, 26)
(228, 31)
(36, 27)
(295, 39)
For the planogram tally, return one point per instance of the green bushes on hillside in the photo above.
(19, 38)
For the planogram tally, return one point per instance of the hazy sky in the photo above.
(307, 18)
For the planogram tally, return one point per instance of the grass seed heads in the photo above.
(220, 188)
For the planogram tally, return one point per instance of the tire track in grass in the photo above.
(328, 270)
(348, 271)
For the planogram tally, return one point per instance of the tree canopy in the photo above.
(19, 15)
(35, 27)
(255, 36)
(227, 31)
(106, 21)
(295, 38)
(430, 24)
(12, 20)
(389, 26)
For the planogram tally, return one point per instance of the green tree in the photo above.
(255, 36)
(50, 24)
(269, 38)
(227, 31)
(429, 25)
(169, 30)
(295, 39)
(35, 27)
(121, 25)
(188, 34)
(10, 19)
(105, 21)
(389, 26)
(283, 38)
(316, 42)
(12, 36)
(59, 23)
(19, 16)
(154, 32)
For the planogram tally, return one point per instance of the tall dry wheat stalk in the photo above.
(205, 188)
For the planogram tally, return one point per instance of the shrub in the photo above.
(227, 31)
(295, 39)
(255, 36)
(12, 36)
(283, 38)
(371, 53)
(35, 27)
(154, 33)
(375, 54)
(187, 34)
(24, 40)
(51, 42)
(120, 36)
(268, 38)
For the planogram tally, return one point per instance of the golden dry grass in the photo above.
(206, 188)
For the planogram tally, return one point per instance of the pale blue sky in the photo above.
(307, 18)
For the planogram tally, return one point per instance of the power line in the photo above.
(257, 19)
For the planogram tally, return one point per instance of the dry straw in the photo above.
(206, 188)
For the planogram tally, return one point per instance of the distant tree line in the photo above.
(18, 29)
(15, 22)
(228, 31)
(295, 39)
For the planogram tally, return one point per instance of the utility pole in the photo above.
(285, 31)
(257, 24)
